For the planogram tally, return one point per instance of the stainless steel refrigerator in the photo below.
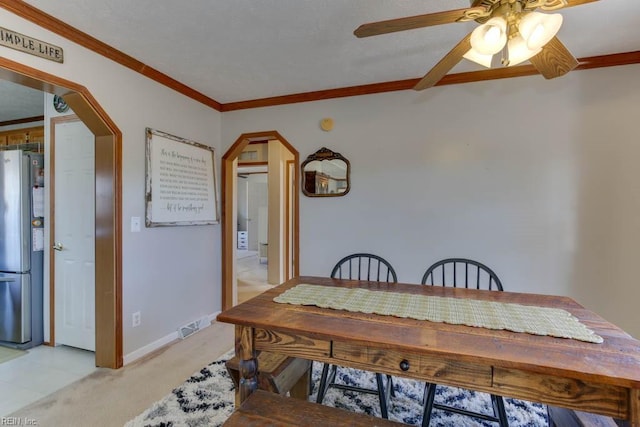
(21, 248)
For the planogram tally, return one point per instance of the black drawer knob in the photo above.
(404, 365)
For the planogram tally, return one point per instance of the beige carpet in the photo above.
(7, 353)
(112, 397)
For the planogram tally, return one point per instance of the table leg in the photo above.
(634, 407)
(248, 364)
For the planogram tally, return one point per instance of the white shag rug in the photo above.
(206, 399)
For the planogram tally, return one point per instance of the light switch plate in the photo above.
(135, 224)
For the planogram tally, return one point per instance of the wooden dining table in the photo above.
(600, 378)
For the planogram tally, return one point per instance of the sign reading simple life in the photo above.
(30, 45)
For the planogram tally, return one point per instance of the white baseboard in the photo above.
(151, 347)
(143, 351)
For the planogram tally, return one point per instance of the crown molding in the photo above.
(450, 79)
(22, 121)
(52, 24)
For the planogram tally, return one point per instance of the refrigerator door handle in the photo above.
(7, 279)
(58, 246)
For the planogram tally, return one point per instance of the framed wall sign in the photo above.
(181, 184)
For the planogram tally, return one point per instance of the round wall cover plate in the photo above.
(326, 124)
(59, 104)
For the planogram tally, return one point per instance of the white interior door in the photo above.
(74, 235)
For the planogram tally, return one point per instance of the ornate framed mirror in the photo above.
(326, 174)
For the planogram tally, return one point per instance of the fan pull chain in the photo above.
(505, 49)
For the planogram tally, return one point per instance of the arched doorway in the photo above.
(228, 203)
(108, 166)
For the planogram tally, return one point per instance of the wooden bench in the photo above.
(277, 374)
(269, 409)
(561, 417)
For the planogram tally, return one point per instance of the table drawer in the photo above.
(431, 368)
(291, 345)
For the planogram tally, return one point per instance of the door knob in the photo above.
(57, 246)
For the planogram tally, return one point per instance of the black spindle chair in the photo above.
(461, 272)
(360, 266)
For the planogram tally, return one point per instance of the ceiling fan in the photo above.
(511, 27)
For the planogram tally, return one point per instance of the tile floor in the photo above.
(41, 371)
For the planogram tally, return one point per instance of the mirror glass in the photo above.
(325, 174)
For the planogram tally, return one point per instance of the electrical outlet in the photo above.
(136, 319)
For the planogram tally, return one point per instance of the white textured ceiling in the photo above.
(19, 102)
(235, 50)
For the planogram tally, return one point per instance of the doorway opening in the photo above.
(281, 250)
(252, 219)
(108, 170)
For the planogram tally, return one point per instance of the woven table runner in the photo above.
(534, 320)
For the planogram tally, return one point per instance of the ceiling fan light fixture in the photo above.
(490, 37)
(539, 28)
(518, 50)
(478, 58)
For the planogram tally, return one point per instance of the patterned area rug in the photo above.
(206, 399)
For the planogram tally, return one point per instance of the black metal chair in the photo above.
(458, 272)
(360, 266)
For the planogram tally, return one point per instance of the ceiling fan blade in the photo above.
(420, 21)
(555, 60)
(445, 65)
(551, 5)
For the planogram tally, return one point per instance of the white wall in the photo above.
(170, 274)
(258, 202)
(243, 203)
(538, 179)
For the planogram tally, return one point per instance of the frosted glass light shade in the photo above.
(478, 58)
(539, 28)
(489, 37)
(518, 50)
